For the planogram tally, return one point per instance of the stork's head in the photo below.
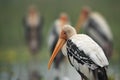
(32, 10)
(86, 11)
(63, 17)
(67, 32)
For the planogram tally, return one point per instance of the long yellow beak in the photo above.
(59, 45)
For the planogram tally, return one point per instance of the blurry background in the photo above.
(13, 50)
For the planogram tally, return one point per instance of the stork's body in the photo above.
(97, 28)
(94, 25)
(33, 25)
(52, 41)
(82, 51)
(54, 36)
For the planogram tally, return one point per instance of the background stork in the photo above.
(82, 52)
(53, 38)
(94, 25)
(33, 26)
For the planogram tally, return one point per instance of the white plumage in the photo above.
(98, 29)
(103, 25)
(83, 53)
(91, 49)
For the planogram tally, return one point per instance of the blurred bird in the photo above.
(82, 52)
(54, 36)
(33, 24)
(96, 27)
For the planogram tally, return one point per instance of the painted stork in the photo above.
(96, 27)
(33, 24)
(82, 52)
(54, 36)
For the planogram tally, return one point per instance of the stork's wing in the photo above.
(90, 48)
(97, 22)
(53, 37)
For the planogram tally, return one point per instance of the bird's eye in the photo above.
(64, 32)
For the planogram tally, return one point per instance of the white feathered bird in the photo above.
(52, 41)
(95, 25)
(82, 52)
(54, 36)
